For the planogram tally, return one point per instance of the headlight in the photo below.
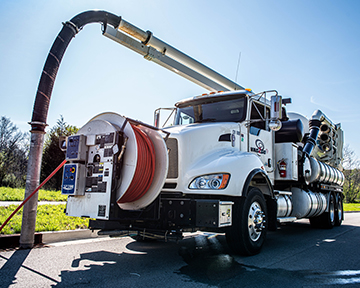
(212, 182)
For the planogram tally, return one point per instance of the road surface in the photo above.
(294, 256)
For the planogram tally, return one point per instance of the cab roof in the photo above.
(213, 96)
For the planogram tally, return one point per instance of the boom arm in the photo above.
(156, 50)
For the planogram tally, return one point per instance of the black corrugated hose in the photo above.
(314, 127)
(69, 30)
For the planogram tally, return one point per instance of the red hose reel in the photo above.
(145, 167)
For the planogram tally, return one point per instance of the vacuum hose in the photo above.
(314, 125)
(69, 30)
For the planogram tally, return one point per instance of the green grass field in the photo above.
(17, 194)
(49, 218)
(351, 206)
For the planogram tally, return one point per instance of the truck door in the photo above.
(261, 137)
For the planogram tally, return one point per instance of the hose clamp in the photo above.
(150, 34)
(72, 26)
(37, 126)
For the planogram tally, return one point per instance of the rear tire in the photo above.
(327, 219)
(339, 210)
(247, 234)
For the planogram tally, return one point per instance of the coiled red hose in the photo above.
(145, 168)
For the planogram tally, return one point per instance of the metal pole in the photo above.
(147, 38)
(40, 111)
(32, 182)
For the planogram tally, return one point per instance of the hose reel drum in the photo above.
(116, 161)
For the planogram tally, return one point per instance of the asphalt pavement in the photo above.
(294, 256)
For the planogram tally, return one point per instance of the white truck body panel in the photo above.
(202, 153)
(289, 153)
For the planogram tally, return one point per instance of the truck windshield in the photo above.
(219, 110)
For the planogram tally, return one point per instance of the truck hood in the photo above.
(195, 141)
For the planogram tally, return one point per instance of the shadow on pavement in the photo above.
(140, 265)
(204, 259)
(13, 265)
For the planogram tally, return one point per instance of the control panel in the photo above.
(73, 180)
(76, 148)
(93, 169)
(99, 168)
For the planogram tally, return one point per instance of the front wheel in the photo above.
(247, 234)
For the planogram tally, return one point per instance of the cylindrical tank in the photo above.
(291, 131)
(307, 204)
(327, 173)
(321, 172)
(315, 170)
(284, 205)
(302, 118)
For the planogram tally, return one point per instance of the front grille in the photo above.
(172, 145)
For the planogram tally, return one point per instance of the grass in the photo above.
(351, 206)
(49, 218)
(17, 194)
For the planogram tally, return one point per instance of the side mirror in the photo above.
(286, 101)
(166, 113)
(275, 113)
(157, 118)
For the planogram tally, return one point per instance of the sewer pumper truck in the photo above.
(231, 161)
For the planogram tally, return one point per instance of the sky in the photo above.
(306, 50)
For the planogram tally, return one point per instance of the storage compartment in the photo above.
(213, 213)
(286, 162)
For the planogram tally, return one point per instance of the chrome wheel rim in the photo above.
(332, 209)
(256, 221)
(339, 208)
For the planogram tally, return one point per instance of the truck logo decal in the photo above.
(260, 147)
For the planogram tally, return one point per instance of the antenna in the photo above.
(237, 69)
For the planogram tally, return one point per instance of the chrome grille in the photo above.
(172, 145)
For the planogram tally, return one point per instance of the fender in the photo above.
(258, 175)
(238, 164)
(266, 188)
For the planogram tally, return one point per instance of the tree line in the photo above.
(15, 146)
(14, 150)
(352, 175)
(14, 153)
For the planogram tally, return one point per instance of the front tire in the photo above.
(247, 234)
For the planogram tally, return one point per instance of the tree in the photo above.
(52, 154)
(14, 151)
(352, 175)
